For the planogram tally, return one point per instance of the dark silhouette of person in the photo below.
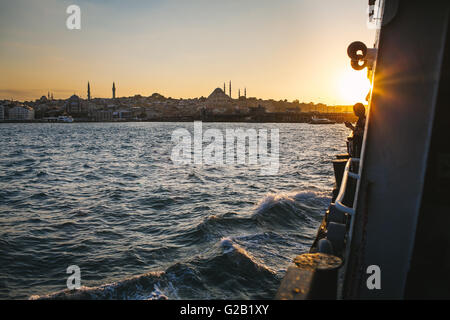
(358, 130)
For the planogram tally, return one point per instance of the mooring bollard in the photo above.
(313, 276)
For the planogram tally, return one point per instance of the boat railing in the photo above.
(307, 279)
(340, 197)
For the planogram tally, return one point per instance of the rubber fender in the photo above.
(354, 47)
(336, 216)
(325, 246)
(336, 235)
(355, 64)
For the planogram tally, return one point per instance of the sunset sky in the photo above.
(282, 49)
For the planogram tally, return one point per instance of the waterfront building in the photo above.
(21, 112)
(257, 110)
(123, 114)
(102, 115)
(295, 109)
(74, 105)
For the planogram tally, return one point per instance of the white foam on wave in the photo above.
(229, 246)
(272, 199)
(109, 290)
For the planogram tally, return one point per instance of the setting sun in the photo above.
(354, 86)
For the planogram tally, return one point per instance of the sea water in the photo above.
(106, 197)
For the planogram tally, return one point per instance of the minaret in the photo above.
(239, 93)
(224, 91)
(230, 88)
(48, 95)
(114, 90)
(245, 93)
(89, 92)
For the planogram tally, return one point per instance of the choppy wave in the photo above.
(274, 210)
(136, 288)
(107, 198)
(227, 266)
(288, 209)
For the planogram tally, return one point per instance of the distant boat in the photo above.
(65, 119)
(315, 120)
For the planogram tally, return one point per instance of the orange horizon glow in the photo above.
(294, 50)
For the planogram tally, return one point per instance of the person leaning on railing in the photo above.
(358, 129)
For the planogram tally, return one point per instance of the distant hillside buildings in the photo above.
(21, 112)
(15, 111)
(154, 107)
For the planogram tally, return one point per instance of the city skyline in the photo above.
(88, 95)
(290, 50)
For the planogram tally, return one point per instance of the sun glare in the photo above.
(354, 86)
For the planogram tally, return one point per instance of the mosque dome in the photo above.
(74, 98)
(218, 94)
